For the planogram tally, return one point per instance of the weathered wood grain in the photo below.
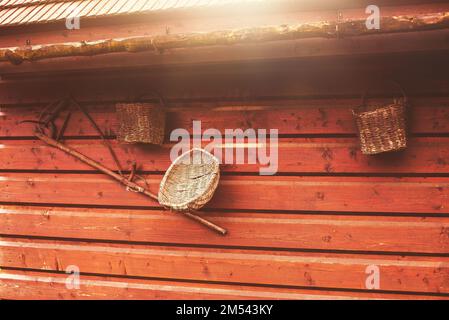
(306, 231)
(308, 116)
(351, 194)
(397, 273)
(276, 230)
(43, 286)
(295, 155)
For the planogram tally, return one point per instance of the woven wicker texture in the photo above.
(190, 182)
(383, 129)
(140, 122)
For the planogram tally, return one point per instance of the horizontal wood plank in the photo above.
(397, 273)
(43, 286)
(295, 155)
(307, 116)
(350, 194)
(277, 230)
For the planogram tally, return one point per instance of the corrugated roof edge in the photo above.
(32, 12)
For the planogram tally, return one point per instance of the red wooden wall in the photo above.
(308, 232)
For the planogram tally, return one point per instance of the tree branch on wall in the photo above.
(323, 29)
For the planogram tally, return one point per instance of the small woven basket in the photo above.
(190, 181)
(141, 122)
(382, 128)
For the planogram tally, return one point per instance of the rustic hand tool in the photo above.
(40, 134)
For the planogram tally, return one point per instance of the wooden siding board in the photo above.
(430, 116)
(296, 155)
(416, 274)
(427, 195)
(267, 230)
(304, 230)
(39, 285)
(293, 117)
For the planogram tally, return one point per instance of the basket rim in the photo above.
(357, 111)
(135, 103)
(174, 163)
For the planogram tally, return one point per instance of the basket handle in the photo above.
(365, 94)
(154, 94)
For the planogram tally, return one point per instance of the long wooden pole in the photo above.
(121, 179)
(323, 29)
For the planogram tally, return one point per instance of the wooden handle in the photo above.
(206, 223)
(121, 179)
(94, 164)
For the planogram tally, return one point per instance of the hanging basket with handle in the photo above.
(141, 122)
(382, 128)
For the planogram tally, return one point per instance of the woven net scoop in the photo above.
(190, 182)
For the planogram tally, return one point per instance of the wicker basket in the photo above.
(190, 181)
(382, 128)
(141, 122)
